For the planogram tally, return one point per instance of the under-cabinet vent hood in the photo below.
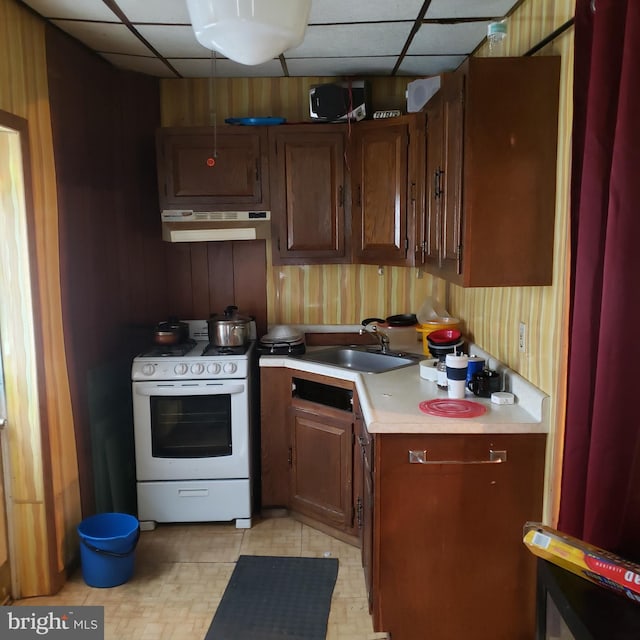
(185, 225)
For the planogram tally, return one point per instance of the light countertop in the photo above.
(390, 401)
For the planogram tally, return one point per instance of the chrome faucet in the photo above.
(372, 326)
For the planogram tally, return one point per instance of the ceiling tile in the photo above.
(355, 38)
(104, 37)
(224, 68)
(429, 65)
(173, 41)
(448, 39)
(73, 9)
(336, 11)
(141, 64)
(380, 66)
(381, 39)
(159, 11)
(439, 9)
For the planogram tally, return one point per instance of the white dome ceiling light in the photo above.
(249, 31)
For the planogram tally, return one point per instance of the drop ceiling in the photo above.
(343, 37)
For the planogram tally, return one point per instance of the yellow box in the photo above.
(587, 561)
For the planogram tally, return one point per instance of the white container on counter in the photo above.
(428, 369)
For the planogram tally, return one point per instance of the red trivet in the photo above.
(449, 408)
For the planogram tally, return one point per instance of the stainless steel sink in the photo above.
(362, 359)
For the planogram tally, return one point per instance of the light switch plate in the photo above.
(522, 337)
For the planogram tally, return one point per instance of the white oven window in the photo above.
(191, 426)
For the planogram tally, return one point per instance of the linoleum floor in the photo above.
(181, 572)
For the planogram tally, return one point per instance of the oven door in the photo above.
(191, 430)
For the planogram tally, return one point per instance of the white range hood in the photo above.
(185, 225)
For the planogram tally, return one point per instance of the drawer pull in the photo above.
(193, 493)
(420, 457)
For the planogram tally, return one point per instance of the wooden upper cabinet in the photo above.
(308, 194)
(491, 173)
(207, 169)
(384, 187)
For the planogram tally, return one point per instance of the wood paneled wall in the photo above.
(119, 278)
(103, 123)
(45, 504)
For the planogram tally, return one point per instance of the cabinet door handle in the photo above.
(341, 196)
(420, 457)
(359, 199)
(437, 183)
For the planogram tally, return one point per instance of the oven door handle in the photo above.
(187, 390)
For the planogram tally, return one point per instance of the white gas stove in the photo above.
(192, 416)
(195, 359)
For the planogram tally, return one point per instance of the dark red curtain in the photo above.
(600, 498)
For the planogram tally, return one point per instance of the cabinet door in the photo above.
(321, 464)
(380, 185)
(308, 194)
(497, 206)
(450, 559)
(430, 230)
(205, 169)
(451, 207)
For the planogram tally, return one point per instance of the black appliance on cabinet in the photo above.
(572, 608)
(340, 102)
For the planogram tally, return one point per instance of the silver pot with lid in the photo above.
(229, 329)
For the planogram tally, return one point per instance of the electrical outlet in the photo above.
(522, 337)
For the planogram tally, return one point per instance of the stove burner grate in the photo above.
(213, 350)
(170, 350)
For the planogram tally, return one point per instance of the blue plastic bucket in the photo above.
(107, 548)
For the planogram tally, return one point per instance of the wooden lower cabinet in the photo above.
(441, 543)
(307, 447)
(448, 557)
(321, 463)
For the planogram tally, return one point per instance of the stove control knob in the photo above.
(197, 369)
(148, 369)
(181, 369)
(213, 368)
(230, 367)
